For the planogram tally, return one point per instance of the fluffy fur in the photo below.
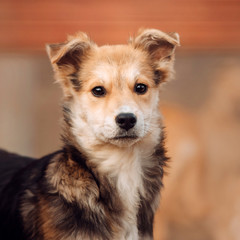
(105, 182)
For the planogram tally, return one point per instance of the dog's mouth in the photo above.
(126, 137)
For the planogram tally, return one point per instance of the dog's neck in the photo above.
(123, 166)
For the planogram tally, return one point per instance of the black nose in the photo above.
(126, 120)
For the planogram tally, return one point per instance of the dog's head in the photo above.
(111, 93)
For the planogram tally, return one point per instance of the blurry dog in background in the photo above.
(104, 183)
(201, 195)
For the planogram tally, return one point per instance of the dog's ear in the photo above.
(66, 59)
(158, 44)
(160, 47)
(70, 52)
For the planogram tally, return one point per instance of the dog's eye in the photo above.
(99, 91)
(140, 88)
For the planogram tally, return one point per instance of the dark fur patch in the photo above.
(12, 225)
(145, 218)
(10, 164)
(75, 81)
(158, 76)
(70, 58)
(67, 115)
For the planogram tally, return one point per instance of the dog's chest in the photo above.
(124, 168)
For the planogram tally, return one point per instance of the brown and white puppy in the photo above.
(105, 182)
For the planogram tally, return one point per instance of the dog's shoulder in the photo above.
(71, 178)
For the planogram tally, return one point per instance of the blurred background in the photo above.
(201, 199)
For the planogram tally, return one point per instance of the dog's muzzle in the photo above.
(126, 120)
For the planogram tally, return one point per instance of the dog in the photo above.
(105, 181)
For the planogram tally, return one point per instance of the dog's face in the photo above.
(112, 92)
